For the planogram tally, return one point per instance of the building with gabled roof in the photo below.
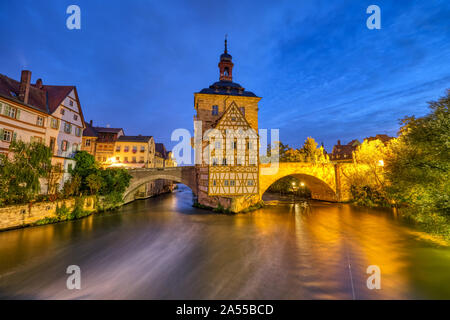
(227, 160)
(50, 114)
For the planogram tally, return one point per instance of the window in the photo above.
(71, 103)
(250, 183)
(75, 117)
(126, 148)
(242, 110)
(142, 149)
(214, 161)
(226, 72)
(78, 131)
(40, 121)
(74, 147)
(214, 183)
(125, 159)
(52, 144)
(141, 159)
(7, 135)
(54, 123)
(64, 145)
(88, 143)
(11, 112)
(233, 118)
(217, 144)
(232, 183)
(226, 183)
(134, 159)
(67, 127)
(134, 149)
(62, 111)
(215, 110)
(234, 145)
(117, 148)
(224, 161)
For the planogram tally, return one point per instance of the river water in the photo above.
(163, 248)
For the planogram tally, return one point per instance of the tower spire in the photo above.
(225, 64)
(226, 51)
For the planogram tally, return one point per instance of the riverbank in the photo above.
(46, 212)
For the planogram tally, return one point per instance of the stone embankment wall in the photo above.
(27, 214)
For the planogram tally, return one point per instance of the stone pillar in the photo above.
(337, 177)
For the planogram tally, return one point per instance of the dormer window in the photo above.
(215, 110)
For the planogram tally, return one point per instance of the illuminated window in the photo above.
(88, 143)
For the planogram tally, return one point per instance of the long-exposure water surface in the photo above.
(163, 248)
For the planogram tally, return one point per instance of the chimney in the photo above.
(90, 123)
(24, 88)
(39, 83)
(339, 142)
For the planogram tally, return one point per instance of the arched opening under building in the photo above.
(299, 186)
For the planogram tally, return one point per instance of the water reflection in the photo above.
(164, 248)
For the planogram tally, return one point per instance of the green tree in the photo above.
(114, 181)
(418, 166)
(21, 172)
(85, 166)
(94, 182)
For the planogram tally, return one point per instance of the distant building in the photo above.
(41, 113)
(344, 152)
(135, 151)
(89, 143)
(100, 142)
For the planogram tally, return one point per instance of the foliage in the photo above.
(366, 175)
(114, 181)
(418, 166)
(72, 186)
(85, 166)
(21, 171)
(308, 153)
(94, 182)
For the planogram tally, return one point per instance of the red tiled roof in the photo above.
(46, 99)
(89, 131)
(134, 138)
(107, 130)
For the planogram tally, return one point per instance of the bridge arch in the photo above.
(319, 178)
(140, 177)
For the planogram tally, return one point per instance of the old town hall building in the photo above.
(227, 155)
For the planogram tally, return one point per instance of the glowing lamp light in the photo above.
(381, 163)
(302, 184)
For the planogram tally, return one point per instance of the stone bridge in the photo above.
(325, 181)
(184, 175)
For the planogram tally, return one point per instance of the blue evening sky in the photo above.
(319, 70)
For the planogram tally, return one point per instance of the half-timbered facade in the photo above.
(227, 120)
